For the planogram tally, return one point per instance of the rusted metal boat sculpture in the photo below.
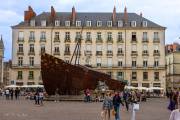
(70, 79)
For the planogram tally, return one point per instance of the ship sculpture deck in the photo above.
(70, 79)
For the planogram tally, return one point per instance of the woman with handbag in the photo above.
(135, 106)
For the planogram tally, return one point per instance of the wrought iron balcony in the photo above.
(145, 53)
(67, 53)
(31, 52)
(120, 40)
(42, 39)
(99, 40)
(31, 39)
(109, 40)
(56, 39)
(156, 53)
(67, 40)
(156, 40)
(99, 53)
(134, 53)
(145, 40)
(20, 52)
(134, 40)
(88, 40)
(120, 53)
(20, 39)
(56, 53)
(109, 53)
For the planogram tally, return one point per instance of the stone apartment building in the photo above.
(125, 45)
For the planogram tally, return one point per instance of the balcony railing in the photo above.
(31, 53)
(109, 53)
(67, 53)
(120, 40)
(56, 53)
(145, 53)
(20, 52)
(134, 53)
(99, 40)
(109, 40)
(42, 39)
(26, 66)
(134, 40)
(56, 39)
(145, 40)
(88, 53)
(31, 39)
(99, 53)
(77, 39)
(120, 53)
(156, 40)
(156, 53)
(67, 40)
(20, 39)
(88, 40)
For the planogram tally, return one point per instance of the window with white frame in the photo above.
(109, 35)
(144, 23)
(31, 61)
(145, 63)
(43, 23)
(134, 63)
(98, 35)
(31, 75)
(43, 49)
(78, 23)
(99, 23)
(120, 62)
(21, 35)
(156, 49)
(57, 36)
(120, 23)
(88, 23)
(67, 23)
(109, 62)
(20, 61)
(32, 23)
(98, 62)
(56, 49)
(133, 23)
(43, 35)
(120, 49)
(88, 35)
(156, 63)
(120, 36)
(145, 38)
(20, 48)
(109, 23)
(31, 48)
(57, 23)
(32, 35)
(145, 49)
(156, 35)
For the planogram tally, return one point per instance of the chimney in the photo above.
(125, 16)
(73, 16)
(53, 14)
(29, 14)
(141, 15)
(114, 16)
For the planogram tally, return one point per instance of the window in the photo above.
(133, 63)
(57, 36)
(144, 23)
(98, 62)
(134, 75)
(156, 36)
(120, 75)
(57, 23)
(78, 23)
(99, 36)
(145, 75)
(156, 49)
(88, 23)
(67, 48)
(88, 35)
(20, 75)
(21, 35)
(109, 23)
(43, 23)
(43, 50)
(145, 63)
(67, 35)
(31, 75)
(32, 23)
(43, 36)
(20, 61)
(156, 63)
(120, 23)
(109, 35)
(99, 23)
(156, 75)
(32, 35)
(31, 61)
(31, 47)
(109, 62)
(56, 49)
(133, 23)
(145, 49)
(133, 36)
(67, 23)
(120, 38)
(145, 36)
(120, 49)
(120, 63)
(20, 48)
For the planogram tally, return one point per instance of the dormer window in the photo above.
(32, 23)
(120, 23)
(109, 23)
(99, 23)
(57, 23)
(88, 23)
(67, 23)
(133, 23)
(144, 23)
(78, 23)
(43, 23)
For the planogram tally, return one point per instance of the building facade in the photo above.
(6, 73)
(173, 70)
(125, 45)
(170, 48)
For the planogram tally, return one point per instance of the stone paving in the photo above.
(153, 109)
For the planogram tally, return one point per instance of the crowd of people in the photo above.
(10, 93)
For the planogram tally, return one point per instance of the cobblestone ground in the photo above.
(153, 109)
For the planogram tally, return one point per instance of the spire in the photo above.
(114, 16)
(1, 43)
(125, 16)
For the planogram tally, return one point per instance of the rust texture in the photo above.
(71, 79)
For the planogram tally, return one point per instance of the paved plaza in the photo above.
(153, 109)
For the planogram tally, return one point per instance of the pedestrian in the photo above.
(116, 103)
(7, 94)
(134, 100)
(88, 95)
(126, 97)
(175, 114)
(17, 92)
(56, 95)
(107, 106)
(11, 93)
(41, 97)
(36, 98)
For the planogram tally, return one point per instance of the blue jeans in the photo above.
(117, 116)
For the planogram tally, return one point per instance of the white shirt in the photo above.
(175, 115)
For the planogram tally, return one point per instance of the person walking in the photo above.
(134, 100)
(41, 97)
(11, 93)
(7, 94)
(175, 114)
(17, 92)
(116, 103)
(107, 106)
(126, 97)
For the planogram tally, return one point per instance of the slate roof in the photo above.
(93, 17)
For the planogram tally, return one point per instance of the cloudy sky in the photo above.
(163, 12)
